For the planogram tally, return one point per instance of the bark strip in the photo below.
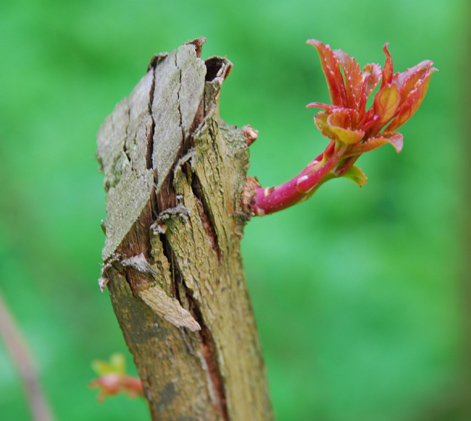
(174, 176)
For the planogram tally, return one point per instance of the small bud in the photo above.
(250, 134)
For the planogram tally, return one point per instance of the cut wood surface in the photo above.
(174, 176)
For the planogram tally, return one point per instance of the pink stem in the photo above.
(21, 356)
(272, 199)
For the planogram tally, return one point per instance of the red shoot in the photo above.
(351, 129)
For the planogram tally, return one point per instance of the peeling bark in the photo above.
(174, 176)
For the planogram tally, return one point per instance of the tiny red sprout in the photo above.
(350, 127)
(113, 379)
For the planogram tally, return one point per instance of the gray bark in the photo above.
(174, 175)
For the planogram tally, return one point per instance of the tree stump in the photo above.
(174, 174)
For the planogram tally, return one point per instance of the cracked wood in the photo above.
(174, 173)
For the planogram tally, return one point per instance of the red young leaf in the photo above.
(353, 79)
(385, 105)
(331, 68)
(394, 138)
(372, 74)
(388, 69)
(412, 101)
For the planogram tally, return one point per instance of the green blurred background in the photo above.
(361, 295)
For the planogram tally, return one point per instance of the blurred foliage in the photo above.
(360, 295)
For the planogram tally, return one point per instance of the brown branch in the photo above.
(174, 175)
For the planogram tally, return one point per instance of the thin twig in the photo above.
(21, 355)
